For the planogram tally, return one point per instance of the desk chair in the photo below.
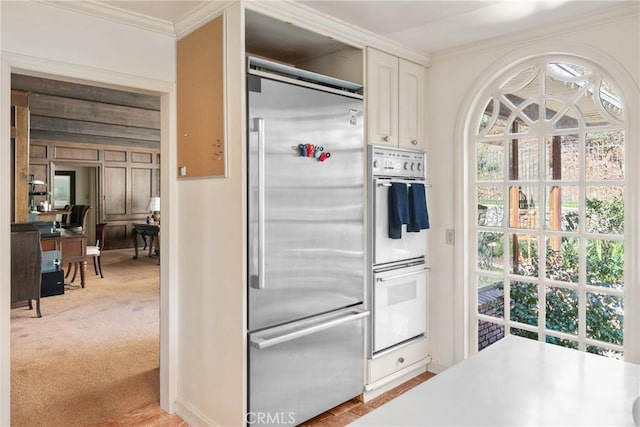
(77, 219)
(94, 252)
(26, 265)
(65, 217)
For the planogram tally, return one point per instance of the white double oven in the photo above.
(398, 270)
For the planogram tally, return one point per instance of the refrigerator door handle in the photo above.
(258, 282)
(350, 315)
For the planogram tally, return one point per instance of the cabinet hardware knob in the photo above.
(386, 138)
(414, 142)
(401, 360)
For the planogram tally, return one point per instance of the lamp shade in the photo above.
(154, 204)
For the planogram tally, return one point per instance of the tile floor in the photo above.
(341, 415)
(350, 411)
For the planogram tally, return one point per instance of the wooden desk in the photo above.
(51, 215)
(152, 230)
(72, 247)
(518, 382)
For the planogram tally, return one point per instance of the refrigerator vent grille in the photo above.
(287, 71)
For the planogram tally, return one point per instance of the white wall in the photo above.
(212, 324)
(44, 31)
(38, 38)
(453, 79)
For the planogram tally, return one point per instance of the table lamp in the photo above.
(154, 208)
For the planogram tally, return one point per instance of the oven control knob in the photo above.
(413, 165)
(375, 164)
(406, 165)
(419, 166)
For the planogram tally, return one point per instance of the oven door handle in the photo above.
(399, 276)
(388, 183)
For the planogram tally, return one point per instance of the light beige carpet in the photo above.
(94, 354)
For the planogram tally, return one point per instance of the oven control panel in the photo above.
(397, 163)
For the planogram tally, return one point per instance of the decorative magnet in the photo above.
(324, 156)
(318, 151)
(303, 150)
(310, 148)
(353, 114)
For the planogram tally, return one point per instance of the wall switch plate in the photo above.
(450, 236)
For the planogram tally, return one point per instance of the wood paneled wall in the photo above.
(116, 131)
(69, 112)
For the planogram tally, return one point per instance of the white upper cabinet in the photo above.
(395, 101)
(411, 106)
(382, 98)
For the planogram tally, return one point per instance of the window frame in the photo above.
(629, 294)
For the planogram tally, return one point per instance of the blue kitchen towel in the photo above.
(418, 213)
(398, 203)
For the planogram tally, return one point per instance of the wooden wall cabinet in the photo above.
(395, 101)
(200, 92)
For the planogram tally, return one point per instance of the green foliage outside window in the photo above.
(605, 268)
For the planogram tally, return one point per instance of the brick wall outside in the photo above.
(490, 303)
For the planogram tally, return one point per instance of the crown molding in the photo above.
(199, 16)
(312, 20)
(111, 13)
(284, 10)
(590, 19)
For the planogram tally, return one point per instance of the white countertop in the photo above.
(517, 382)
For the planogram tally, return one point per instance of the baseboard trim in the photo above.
(192, 416)
(382, 386)
(437, 368)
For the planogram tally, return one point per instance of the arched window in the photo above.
(548, 182)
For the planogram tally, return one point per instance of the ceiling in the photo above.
(423, 25)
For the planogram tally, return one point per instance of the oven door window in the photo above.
(400, 302)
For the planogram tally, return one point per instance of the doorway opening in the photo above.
(116, 171)
(83, 189)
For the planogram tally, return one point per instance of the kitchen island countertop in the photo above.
(518, 381)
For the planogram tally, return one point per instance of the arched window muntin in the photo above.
(502, 117)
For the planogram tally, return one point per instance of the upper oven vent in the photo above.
(397, 163)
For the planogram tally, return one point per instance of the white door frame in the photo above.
(168, 272)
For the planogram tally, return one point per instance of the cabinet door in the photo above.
(200, 91)
(411, 105)
(382, 98)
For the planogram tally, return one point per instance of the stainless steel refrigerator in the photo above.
(306, 261)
